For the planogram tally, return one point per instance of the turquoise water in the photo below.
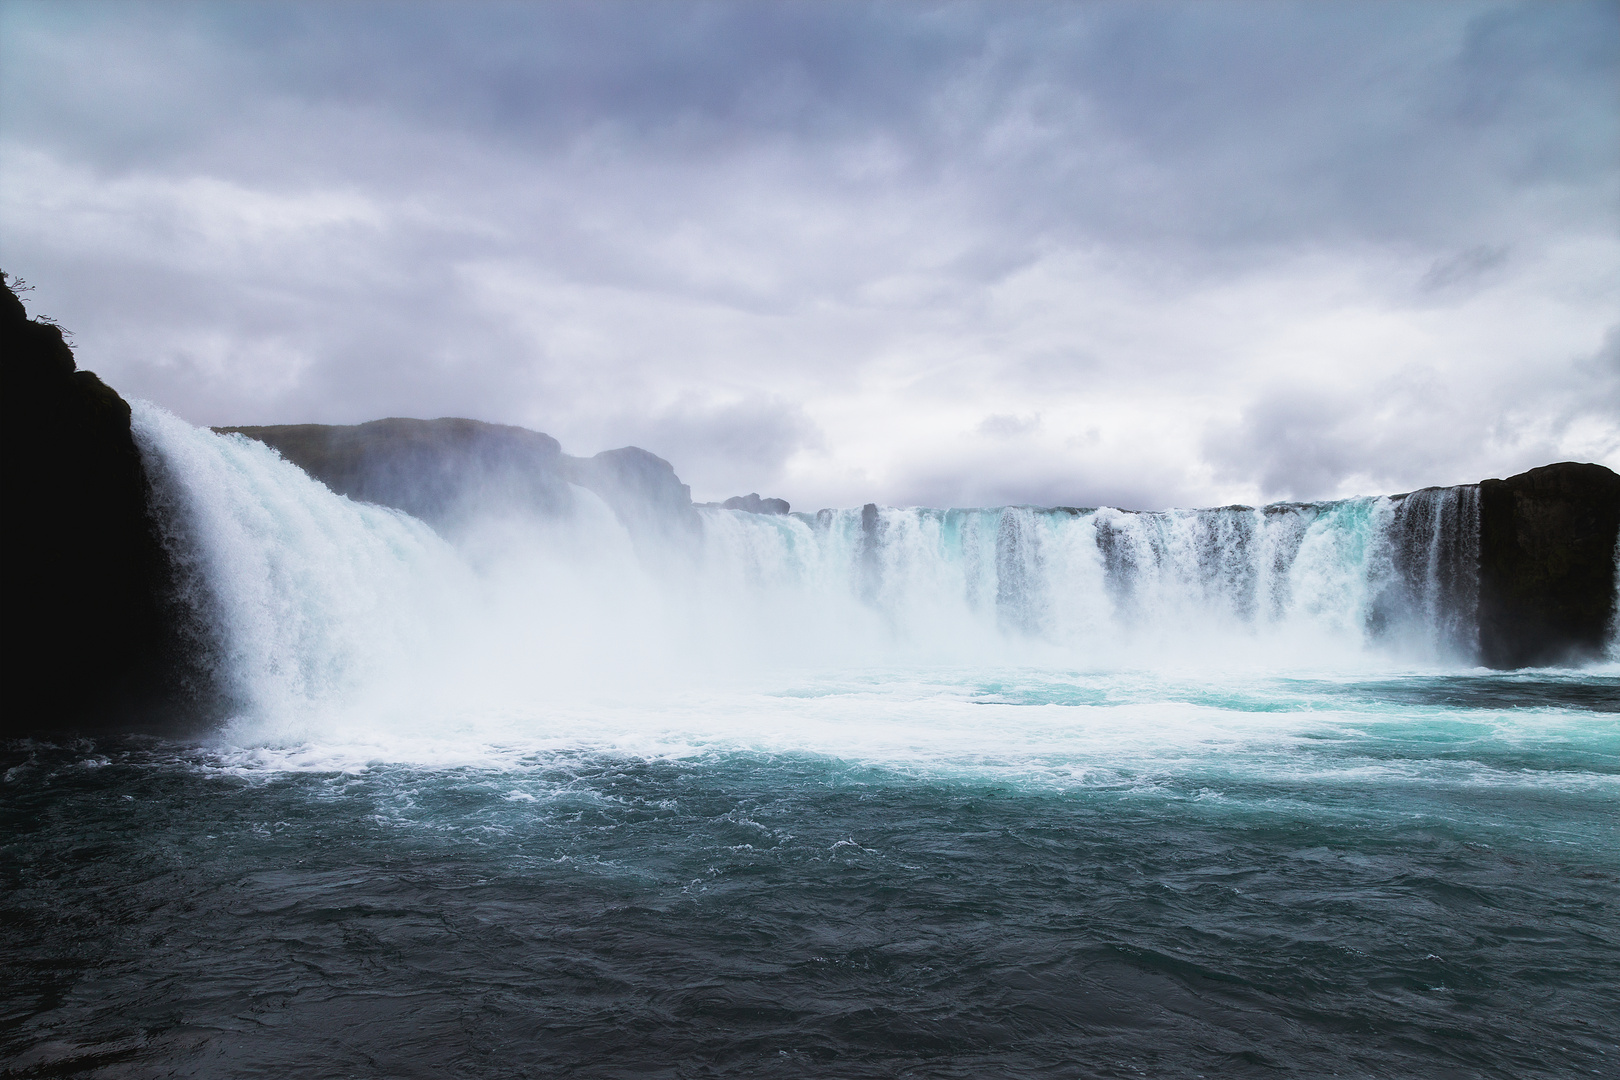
(882, 873)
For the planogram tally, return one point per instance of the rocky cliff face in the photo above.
(94, 636)
(1547, 565)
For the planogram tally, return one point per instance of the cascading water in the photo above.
(300, 596)
(1398, 574)
(308, 600)
(1433, 594)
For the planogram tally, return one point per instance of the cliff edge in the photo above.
(449, 470)
(1547, 565)
(93, 635)
(436, 470)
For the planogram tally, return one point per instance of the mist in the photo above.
(527, 625)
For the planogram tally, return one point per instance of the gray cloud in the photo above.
(1235, 122)
(825, 241)
(1008, 426)
(1453, 272)
(729, 445)
(1417, 429)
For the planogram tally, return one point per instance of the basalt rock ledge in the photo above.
(94, 635)
(1547, 553)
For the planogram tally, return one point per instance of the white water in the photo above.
(346, 633)
(1373, 580)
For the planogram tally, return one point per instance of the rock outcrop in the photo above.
(753, 504)
(438, 470)
(94, 635)
(450, 470)
(643, 491)
(1547, 565)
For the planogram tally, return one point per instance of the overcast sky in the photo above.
(1142, 254)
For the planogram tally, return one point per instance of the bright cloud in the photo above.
(960, 254)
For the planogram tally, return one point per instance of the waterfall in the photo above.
(1397, 573)
(298, 595)
(305, 600)
(1433, 594)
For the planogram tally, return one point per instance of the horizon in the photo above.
(921, 255)
(675, 465)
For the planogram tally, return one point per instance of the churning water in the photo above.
(872, 792)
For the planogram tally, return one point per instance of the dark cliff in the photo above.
(93, 637)
(1546, 565)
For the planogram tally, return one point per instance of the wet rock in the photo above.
(1547, 565)
(95, 637)
(753, 504)
(643, 491)
(452, 470)
(441, 471)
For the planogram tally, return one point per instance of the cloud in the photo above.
(1453, 272)
(1008, 426)
(846, 251)
(728, 445)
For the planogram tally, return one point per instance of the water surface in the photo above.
(1003, 873)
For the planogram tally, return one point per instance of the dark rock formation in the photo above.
(871, 553)
(753, 504)
(449, 470)
(1546, 565)
(437, 470)
(643, 491)
(94, 636)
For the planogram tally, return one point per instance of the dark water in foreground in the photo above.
(1425, 892)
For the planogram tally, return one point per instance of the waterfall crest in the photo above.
(304, 600)
(1393, 573)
